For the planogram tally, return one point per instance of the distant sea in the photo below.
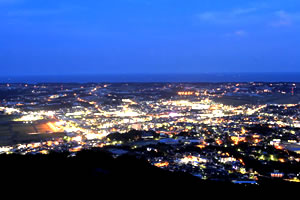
(140, 78)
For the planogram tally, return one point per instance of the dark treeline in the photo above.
(97, 168)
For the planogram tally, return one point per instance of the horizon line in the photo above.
(163, 73)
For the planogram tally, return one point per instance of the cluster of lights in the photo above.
(194, 160)
(162, 164)
(9, 111)
(188, 93)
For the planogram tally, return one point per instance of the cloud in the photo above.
(208, 16)
(9, 2)
(237, 34)
(258, 16)
(240, 33)
(223, 17)
(244, 11)
(283, 19)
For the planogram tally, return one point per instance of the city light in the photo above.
(162, 164)
(54, 127)
(192, 130)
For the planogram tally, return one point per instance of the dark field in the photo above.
(255, 100)
(16, 132)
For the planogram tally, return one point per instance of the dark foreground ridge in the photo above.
(99, 169)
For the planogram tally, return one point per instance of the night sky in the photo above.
(48, 37)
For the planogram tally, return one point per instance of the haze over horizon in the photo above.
(148, 37)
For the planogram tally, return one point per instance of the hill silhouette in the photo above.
(97, 168)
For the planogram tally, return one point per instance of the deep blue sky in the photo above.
(40, 37)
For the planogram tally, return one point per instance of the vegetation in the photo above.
(246, 99)
(95, 168)
(131, 135)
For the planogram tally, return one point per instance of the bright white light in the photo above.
(174, 115)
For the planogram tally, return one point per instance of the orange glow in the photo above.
(44, 152)
(278, 147)
(219, 142)
(162, 164)
(33, 145)
(256, 141)
(201, 146)
(243, 131)
(100, 145)
(54, 127)
(276, 175)
(186, 93)
(237, 139)
(75, 149)
(49, 143)
(241, 161)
